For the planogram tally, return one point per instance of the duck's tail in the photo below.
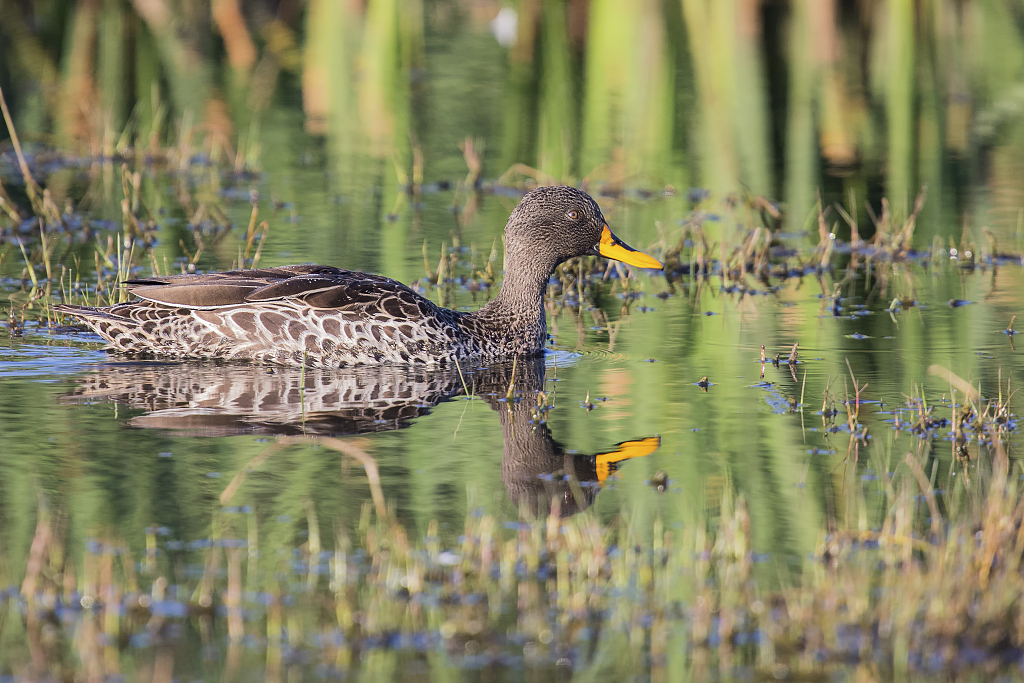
(103, 321)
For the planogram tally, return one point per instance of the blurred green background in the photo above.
(772, 98)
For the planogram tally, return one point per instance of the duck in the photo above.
(322, 316)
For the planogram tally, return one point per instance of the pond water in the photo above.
(653, 405)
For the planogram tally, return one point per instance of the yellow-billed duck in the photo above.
(323, 316)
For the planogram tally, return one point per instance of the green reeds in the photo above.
(629, 107)
(559, 110)
(625, 72)
(32, 188)
(712, 35)
(900, 89)
(802, 162)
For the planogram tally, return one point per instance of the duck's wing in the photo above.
(229, 288)
(321, 287)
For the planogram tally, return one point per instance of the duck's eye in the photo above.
(572, 215)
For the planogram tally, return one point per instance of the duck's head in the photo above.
(552, 224)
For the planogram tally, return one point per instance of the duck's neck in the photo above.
(518, 310)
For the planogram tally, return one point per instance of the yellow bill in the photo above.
(612, 247)
(608, 462)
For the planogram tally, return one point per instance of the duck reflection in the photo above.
(535, 468)
(217, 400)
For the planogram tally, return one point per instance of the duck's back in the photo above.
(315, 315)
